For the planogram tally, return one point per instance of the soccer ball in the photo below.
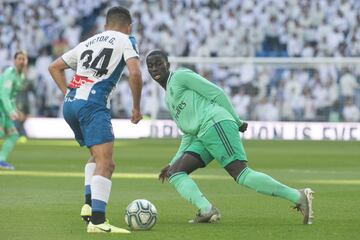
(140, 215)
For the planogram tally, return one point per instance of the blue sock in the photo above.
(98, 211)
(100, 192)
(88, 195)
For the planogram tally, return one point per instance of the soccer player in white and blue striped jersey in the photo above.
(99, 62)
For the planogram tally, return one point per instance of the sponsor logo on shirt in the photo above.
(77, 81)
(179, 108)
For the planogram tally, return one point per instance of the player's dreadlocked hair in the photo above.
(118, 15)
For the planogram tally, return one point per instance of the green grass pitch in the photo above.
(43, 197)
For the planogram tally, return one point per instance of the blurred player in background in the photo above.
(99, 62)
(11, 81)
(211, 128)
(22, 104)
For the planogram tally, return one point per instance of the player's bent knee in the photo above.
(14, 135)
(104, 167)
(235, 168)
(174, 169)
(187, 163)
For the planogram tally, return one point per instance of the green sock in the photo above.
(8, 145)
(265, 184)
(188, 189)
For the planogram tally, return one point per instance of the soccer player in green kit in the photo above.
(211, 131)
(11, 81)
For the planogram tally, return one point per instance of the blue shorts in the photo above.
(90, 122)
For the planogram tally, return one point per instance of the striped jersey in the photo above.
(99, 62)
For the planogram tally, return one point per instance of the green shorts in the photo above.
(220, 142)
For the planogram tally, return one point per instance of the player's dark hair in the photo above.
(19, 52)
(162, 53)
(118, 15)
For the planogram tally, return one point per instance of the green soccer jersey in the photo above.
(10, 83)
(195, 103)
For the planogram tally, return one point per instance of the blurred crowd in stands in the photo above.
(203, 28)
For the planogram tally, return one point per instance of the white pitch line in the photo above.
(115, 175)
(62, 143)
(333, 181)
(155, 176)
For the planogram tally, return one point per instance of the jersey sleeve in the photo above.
(130, 49)
(186, 140)
(191, 80)
(70, 58)
(6, 85)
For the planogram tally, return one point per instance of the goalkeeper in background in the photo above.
(11, 81)
(211, 131)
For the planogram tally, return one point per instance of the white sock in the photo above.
(89, 172)
(100, 188)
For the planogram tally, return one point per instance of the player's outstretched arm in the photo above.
(135, 82)
(57, 71)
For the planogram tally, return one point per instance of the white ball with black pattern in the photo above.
(140, 214)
